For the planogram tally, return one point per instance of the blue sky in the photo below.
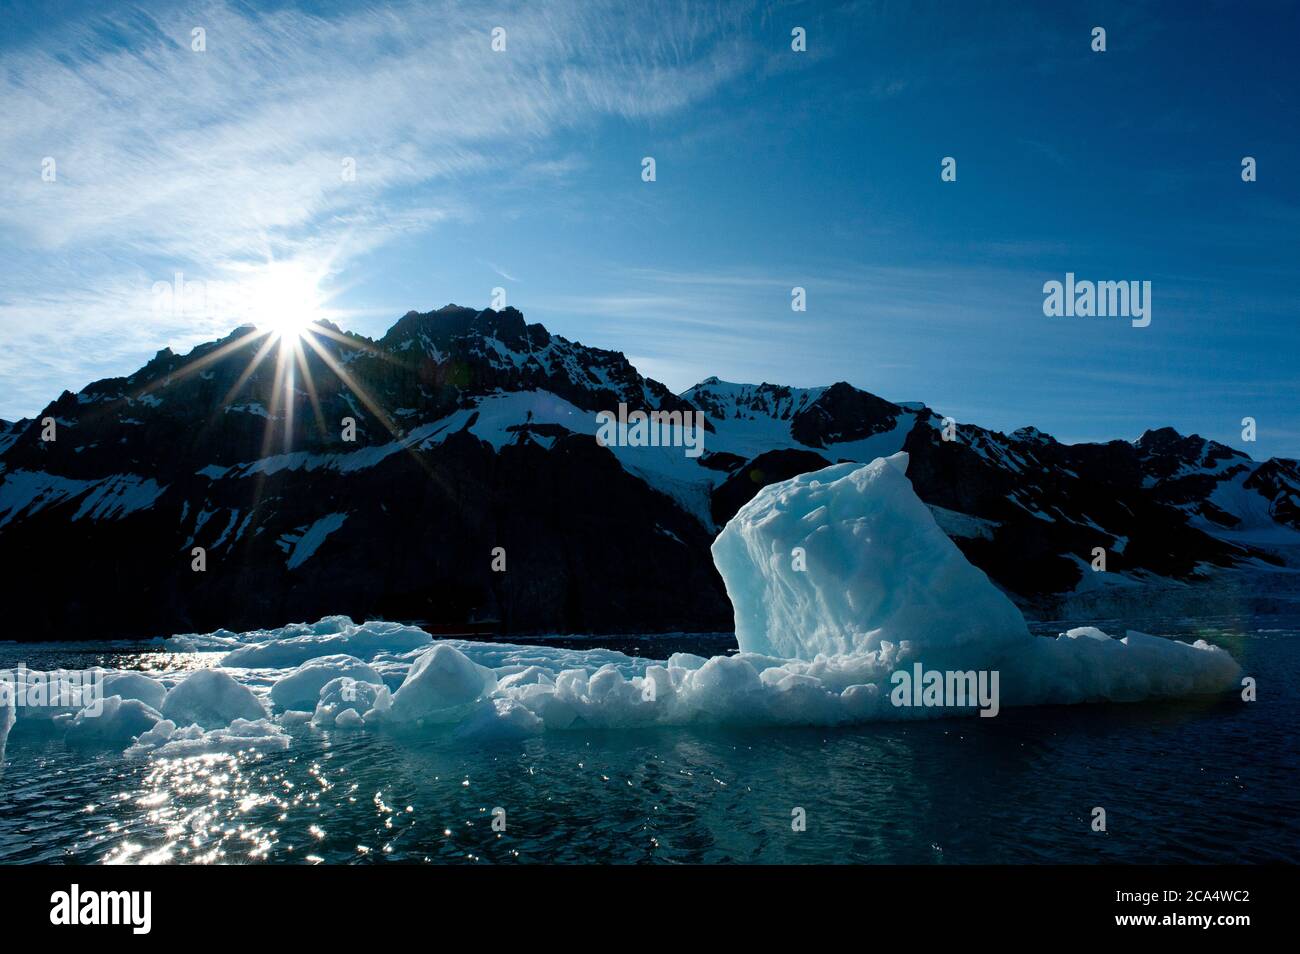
(522, 169)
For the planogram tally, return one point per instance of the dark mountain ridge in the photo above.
(474, 430)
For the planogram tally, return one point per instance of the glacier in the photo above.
(839, 579)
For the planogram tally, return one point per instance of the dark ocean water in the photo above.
(1200, 781)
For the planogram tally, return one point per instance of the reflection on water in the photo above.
(1196, 781)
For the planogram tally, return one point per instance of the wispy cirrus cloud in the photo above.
(162, 148)
(294, 135)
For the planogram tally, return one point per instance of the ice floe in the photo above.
(365, 642)
(164, 740)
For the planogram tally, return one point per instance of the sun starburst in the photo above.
(285, 298)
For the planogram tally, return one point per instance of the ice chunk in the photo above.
(6, 722)
(725, 686)
(301, 688)
(349, 719)
(504, 719)
(545, 702)
(48, 700)
(343, 694)
(382, 708)
(134, 685)
(211, 699)
(364, 641)
(152, 740)
(685, 661)
(1082, 666)
(442, 686)
(164, 740)
(529, 675)
(848, 557)
(117, 720)
(225, 640)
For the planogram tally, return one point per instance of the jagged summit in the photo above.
(457, 321)
(1166, 440)
(1032, 434)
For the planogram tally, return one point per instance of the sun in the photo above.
(287, 305)
(284, 298)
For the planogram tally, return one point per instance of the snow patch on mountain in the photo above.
(1255, 513)
(343, 462)
(302, 546)
(749, 419)
(25, 492)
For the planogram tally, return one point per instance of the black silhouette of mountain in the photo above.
(475, 430)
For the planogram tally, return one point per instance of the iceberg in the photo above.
(301, 688)
(46, 701)
(117, 721)
(847, 559)
(443, 686)
(211, 699)
(846, 571)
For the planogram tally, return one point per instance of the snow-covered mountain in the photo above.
(476, 430)
(1224, 491)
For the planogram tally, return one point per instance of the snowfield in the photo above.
(839, 579)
